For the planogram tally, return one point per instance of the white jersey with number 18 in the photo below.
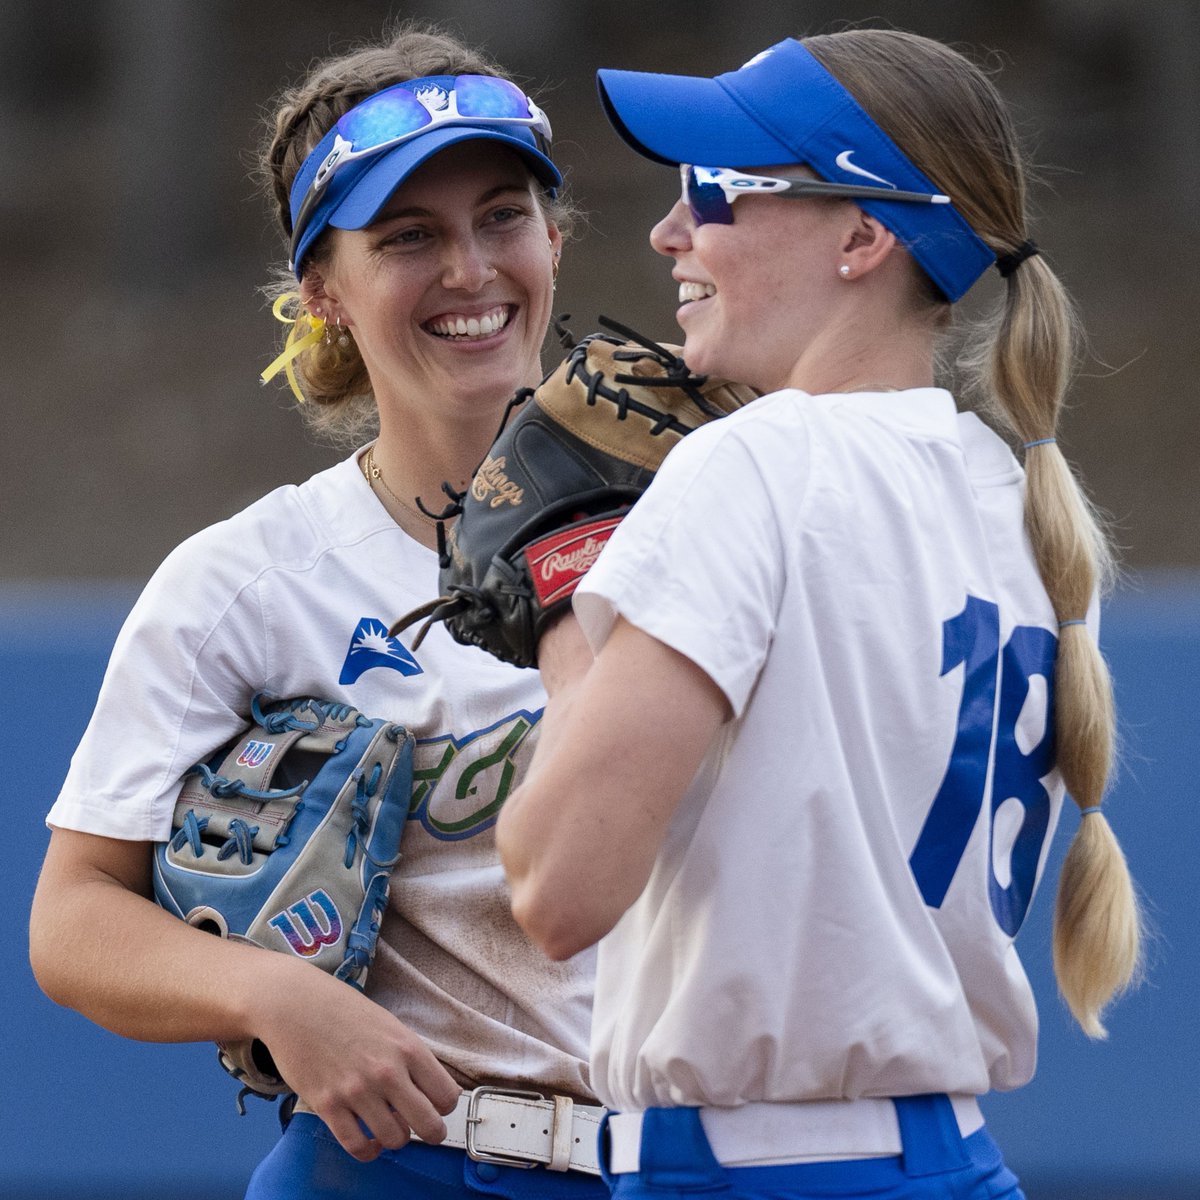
(833, 910)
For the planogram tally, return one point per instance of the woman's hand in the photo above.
(352, 1062)
(158, 979)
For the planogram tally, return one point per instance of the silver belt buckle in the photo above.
(473, 1119)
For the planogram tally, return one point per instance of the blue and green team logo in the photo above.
(460, 785)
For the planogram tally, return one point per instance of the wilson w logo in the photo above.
(306, 930)
(255, 754)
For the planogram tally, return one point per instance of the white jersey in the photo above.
(294, 597)
(832, 911)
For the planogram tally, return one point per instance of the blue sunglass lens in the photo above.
(707, 203)
(384, 117)
(483, 96)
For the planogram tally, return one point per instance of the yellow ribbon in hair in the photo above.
(296, 342)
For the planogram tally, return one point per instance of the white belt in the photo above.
(522, 1129)
(813, 1131)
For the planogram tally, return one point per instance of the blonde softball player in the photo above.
(845, 658)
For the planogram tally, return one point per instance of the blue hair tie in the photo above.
(1073, 621)
(1083, 812)
(1039, 442)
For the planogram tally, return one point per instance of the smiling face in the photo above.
(759, 295)
(448, 292)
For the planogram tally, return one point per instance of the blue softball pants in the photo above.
(937, 1163)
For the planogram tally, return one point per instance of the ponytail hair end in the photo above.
(1097, 925)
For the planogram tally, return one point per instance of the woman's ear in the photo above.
(866, 246)
(313, 295)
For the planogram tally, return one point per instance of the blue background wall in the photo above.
(87, 1114)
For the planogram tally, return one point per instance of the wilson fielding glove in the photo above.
(580, 450)
(286, 838)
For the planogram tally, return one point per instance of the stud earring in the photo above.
(844, 270)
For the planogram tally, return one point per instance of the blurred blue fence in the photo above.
(86, 1114)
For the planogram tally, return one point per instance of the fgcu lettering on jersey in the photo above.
(304, 930)
(370, 647)
(255, 754)
(460, 783)
(559, 562)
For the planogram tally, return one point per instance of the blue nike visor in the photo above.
(784, 107)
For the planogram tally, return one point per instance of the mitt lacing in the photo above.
(437, 609)
(678, 373)
(284, 716)
(222, 788)
(241, 833)
(240, 840)
(362, 939)
(190, 832)
(677, 377)
(365, 788)
(566, 339)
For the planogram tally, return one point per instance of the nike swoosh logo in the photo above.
(843, 161)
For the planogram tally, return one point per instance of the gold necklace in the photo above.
(374, 475)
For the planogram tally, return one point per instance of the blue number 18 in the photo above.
(996, 686)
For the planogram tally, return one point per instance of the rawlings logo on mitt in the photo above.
(580, 450)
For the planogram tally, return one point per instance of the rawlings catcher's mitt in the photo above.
(582, 447)
(286, 838)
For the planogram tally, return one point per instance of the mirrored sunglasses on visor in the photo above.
(411, 108)
(709, 192)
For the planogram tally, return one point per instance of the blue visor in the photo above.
(352, 196)
(784, 107)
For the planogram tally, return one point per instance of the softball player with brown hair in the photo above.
(415, 183)
(845, 658)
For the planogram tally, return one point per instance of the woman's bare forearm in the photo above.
(100, 946)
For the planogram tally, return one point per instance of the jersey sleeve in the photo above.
(698, 563)
(178, 677)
